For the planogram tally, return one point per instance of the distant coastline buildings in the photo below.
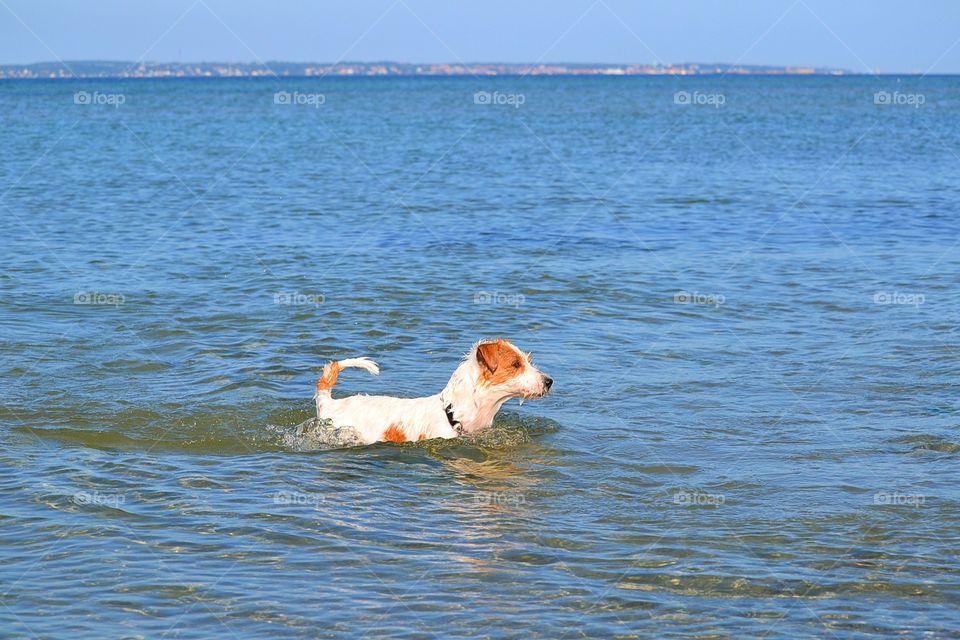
(94, 69)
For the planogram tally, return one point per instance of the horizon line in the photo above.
(265, 63)
(61, 69)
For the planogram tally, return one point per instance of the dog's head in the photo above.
(507, 372)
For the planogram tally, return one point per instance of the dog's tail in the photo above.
(332, 371)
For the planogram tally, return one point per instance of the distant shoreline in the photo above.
(123, 70)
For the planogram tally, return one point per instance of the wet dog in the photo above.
(491, 373)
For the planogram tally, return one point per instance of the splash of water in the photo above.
(314, 433)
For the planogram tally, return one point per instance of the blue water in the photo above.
(749, 304)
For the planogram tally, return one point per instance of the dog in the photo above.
(491, 373)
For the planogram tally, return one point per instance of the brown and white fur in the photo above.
(491, 373)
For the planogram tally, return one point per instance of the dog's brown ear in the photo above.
(488, 355)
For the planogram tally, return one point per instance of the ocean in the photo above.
(745, 288)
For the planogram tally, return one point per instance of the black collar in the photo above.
(453, 422)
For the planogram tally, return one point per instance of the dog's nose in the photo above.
(547, 382)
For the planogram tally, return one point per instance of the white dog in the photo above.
(490, 374)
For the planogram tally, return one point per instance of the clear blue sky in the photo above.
(884, 35)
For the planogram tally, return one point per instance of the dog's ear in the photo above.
(488, 355)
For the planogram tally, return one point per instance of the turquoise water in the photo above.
(746, 293)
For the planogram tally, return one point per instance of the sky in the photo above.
(884, 36)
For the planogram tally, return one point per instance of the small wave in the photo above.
(314, 434)
(929, 442)
(508, 431)
(245, 429)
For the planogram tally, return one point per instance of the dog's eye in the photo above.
(516, 364)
